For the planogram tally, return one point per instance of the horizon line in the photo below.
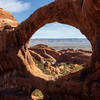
(58, 38)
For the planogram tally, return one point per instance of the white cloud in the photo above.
(14, 5)
(57, 30)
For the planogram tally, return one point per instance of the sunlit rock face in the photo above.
(7, 18)
(18, 72)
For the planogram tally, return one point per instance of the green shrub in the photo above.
(72, 68)
(37, 93)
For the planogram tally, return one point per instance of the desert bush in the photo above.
(37, 93)
(53, 71)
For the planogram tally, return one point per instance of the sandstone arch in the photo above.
(77, 16)
(17, 65)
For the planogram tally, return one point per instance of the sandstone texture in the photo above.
(19, 74)
(72, 56)
(45, 51)
(7, 20)
(66, 61)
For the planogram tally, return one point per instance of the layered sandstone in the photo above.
(43, 52)
(67, 61)
(7, 18)
(17, 68)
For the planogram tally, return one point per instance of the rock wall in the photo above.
(18, 73)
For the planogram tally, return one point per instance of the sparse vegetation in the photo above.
(60, 69)
(70, 68)
(37, 94)
(77, 68)
(42, 67)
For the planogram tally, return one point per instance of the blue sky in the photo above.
(21, 9)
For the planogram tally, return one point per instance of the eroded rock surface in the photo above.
(7, 19)
(46, 51)
(18, 73)
(43, 52)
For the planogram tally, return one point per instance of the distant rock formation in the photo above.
(18, 74)
(45, 51)
(72, 56)
(41, 52)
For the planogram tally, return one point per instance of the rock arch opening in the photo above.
(56, 52)
(60, 36)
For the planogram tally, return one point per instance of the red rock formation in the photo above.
(17, 68)
(46, 51)
(43, 52)
(71, 56)
(7, 18)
